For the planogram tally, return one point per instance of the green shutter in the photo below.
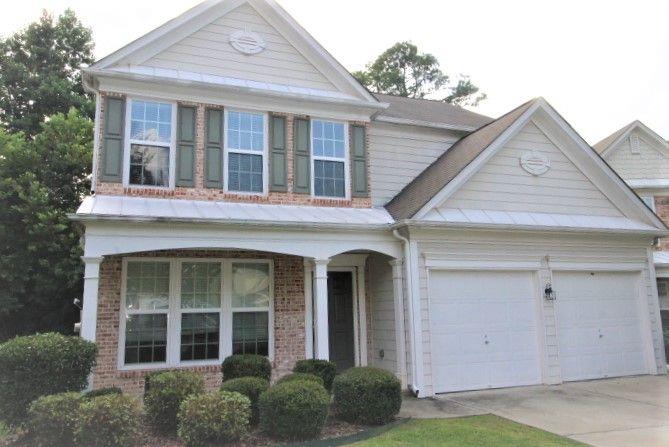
(186, 146)
(359, 162)
(277, 161)
(213, 149)
(302, 157)
(112, 143)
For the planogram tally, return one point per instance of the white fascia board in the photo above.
(418, 123)
(473, 167)
(648, 183)
(418, 224)
(133, 84)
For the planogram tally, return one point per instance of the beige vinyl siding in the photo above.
(209, 51)
(399, 153)
(499, 247)
(502, 185)
(651, 163)
(383, 313)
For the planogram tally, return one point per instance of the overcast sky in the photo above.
(601, 64)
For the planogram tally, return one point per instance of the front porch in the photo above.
(173, 304)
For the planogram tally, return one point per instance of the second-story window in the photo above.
(150, 143)
(328, 145)
(245, 147)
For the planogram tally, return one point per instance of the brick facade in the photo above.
(662, 210)
(199, 192)
(289, 308)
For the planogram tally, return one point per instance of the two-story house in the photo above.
(641, 158)
(250, 196)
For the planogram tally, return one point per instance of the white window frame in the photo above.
(174, 312)
(128, 143)
(264, 153)
(650, 197)
(345, 160)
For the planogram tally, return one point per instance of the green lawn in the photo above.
(474, 431)
(4, 430)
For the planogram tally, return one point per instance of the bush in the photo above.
(218, 417)
(367, 395)
(166, 393)
(109, 421)
(246, 365)
(102, 392)
(322, 368)
(251, 387)
(301, 377)
(40, 365)
(294, 410)
(53, 419)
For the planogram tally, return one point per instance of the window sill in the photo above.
(142, 370)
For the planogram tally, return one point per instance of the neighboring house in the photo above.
(249, 196)
(641, 158)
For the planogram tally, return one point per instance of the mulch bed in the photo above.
(333, 429)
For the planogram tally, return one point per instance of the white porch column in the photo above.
(308, 309)
(400, 339)
(321, 342)
(89, 313)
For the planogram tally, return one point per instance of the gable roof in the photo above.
(429, 113)
(604, 146)
(466, 156)
(133, 54)
(445, 168)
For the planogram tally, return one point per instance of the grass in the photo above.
(4, 431)
(474, 431)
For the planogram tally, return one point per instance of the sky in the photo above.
(601, 64)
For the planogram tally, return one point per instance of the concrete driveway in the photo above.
(609, 413)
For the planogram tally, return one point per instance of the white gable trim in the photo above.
(638, 125)
(619, 193)
(196, 18)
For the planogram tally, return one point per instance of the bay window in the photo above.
(184, 311)
(245, 142)
(150, 147)
(328, 150)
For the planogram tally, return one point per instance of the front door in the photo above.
(340, 319)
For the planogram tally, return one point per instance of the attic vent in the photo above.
(634, 144)
(247, 42)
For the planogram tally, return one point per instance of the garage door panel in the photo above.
(484, 330)
(599, 326)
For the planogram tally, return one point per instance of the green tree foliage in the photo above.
(40, 72)
(404, 71)
(41, 180)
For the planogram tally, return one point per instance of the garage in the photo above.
(599, 325)
(483, 329)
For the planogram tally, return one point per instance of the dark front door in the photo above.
(340, 319)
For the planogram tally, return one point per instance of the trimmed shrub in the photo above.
(251, 387)
(322, 368)
(53, 419)
(301, 376)
(109, 421)
(294, 410)
(218, 417)
(367, 395)
(166, 393)
(246, 365)
(102, 392)
(41, 365)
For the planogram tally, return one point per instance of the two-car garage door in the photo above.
(485, 327)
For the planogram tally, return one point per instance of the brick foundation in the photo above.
(289, 329)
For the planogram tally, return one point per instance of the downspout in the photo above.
(415, 345)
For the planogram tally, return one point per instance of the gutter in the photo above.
(419, 123)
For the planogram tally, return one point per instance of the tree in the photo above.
(41, 180)
(40, 72)
(403, 71)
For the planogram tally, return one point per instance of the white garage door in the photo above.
(599, 329)
(483, 329)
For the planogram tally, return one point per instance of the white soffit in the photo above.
(141, 208)
(661, 258)
(535, 220)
